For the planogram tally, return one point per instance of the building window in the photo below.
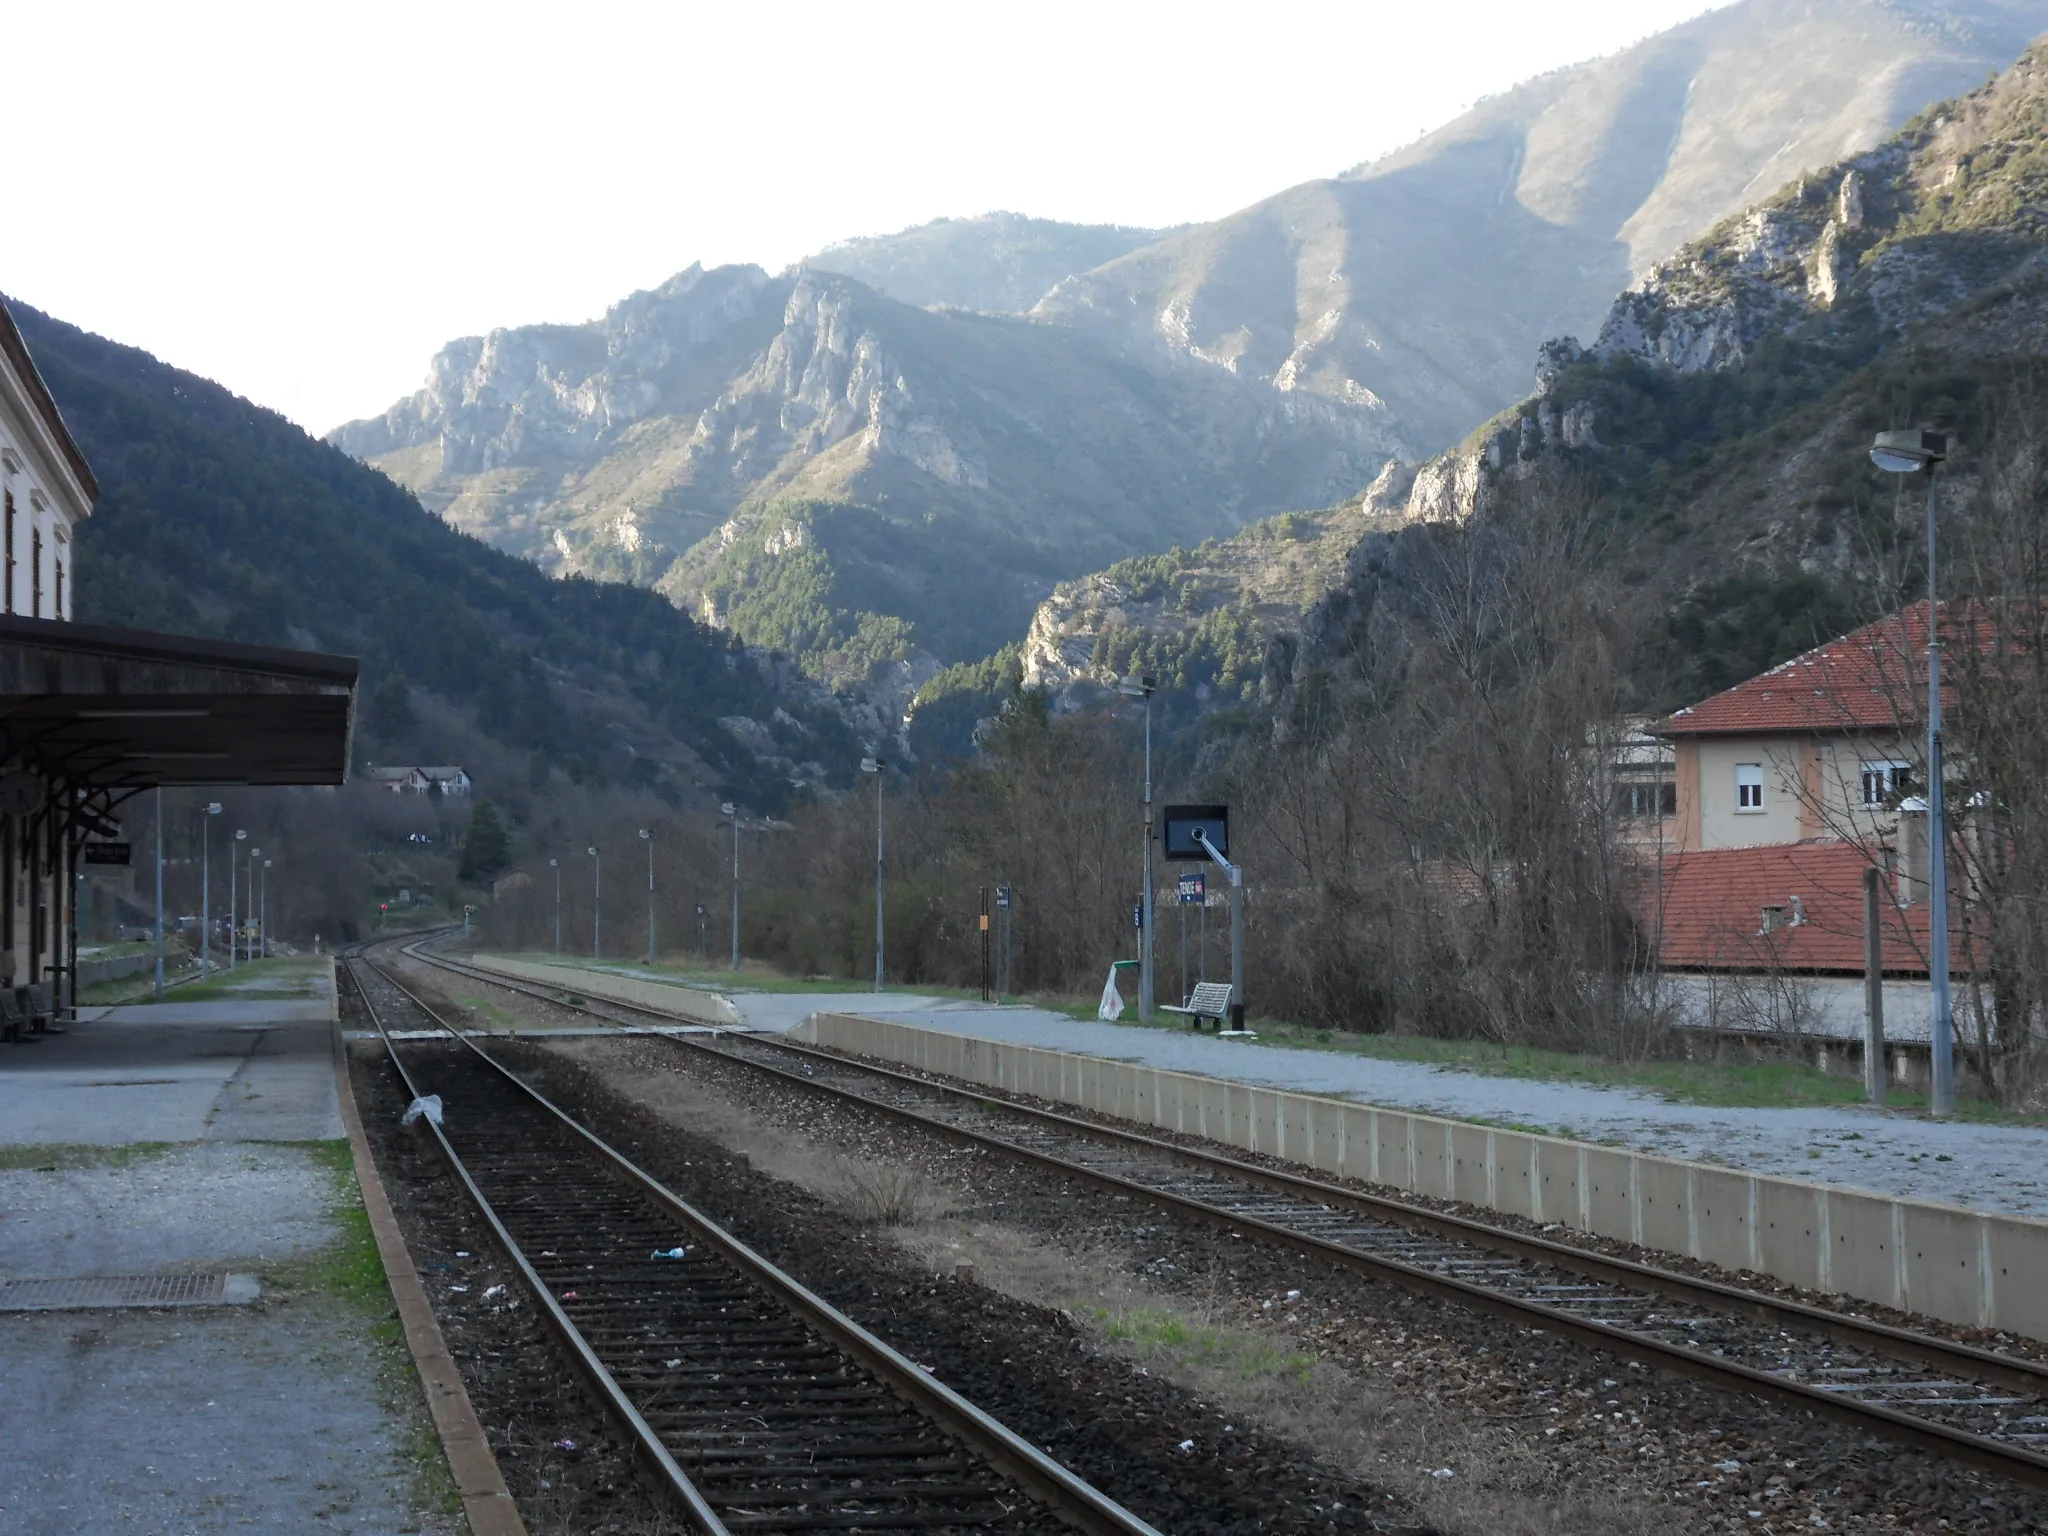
(1749, 786)
(1885, 783)
(1644, 802)
(58, 611)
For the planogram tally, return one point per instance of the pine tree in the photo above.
(485, 848)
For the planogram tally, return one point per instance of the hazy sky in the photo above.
(304, 200)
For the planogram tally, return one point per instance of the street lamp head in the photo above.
(213, 809)
(592, 850)
(240, 834)
(645, 833)
(1907, 453)
(728, 809)
(871, 765)
(266, 863)
(1141, 687)
(554, 863)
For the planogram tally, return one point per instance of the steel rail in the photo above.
(2017, 1462)
(1066, 1495)
(699, 1511)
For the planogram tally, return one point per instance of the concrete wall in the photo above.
(684, 1002)
(1957, 1265)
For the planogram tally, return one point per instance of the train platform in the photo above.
(1989, 1167)
(179, 1231)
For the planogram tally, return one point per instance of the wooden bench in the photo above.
(1211, 1000)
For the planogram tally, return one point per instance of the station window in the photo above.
(1749, 786)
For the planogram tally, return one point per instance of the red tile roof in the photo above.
(1869, 680)
(1711, 908)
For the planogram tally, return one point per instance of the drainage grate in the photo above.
(93, 1291)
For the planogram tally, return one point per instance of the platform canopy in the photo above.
(96, 708)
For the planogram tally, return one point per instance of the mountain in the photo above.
(999, 263)
(217, 517)
(1718, 424)
(1723, 413)
(948, 466)
(1420, 285)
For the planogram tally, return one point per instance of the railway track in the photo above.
(1948, 1399)
(760, 1406)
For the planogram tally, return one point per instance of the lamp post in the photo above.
(732, 812)
(159, 893)
(263, 927)
(255, 928)
(874, 765)
(1916, 453)
(1143, 688)
(647, 837)
(556, 866)
(234, 893)
(206, 890)
(596, 904)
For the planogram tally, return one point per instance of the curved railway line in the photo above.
(1952, 1400)
(757, 1404)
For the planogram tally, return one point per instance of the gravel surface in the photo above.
(1985, 1167)
(104, 1432)
(1156, 1448)
(164, 1209)
(1545, 1436)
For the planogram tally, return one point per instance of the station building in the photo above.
(91, 716)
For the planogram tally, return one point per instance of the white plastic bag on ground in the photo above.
(428, 1104)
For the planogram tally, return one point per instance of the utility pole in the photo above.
(874, 765)
(596, 904)
(1143, 688)
(206, 890)
(159, 893)
(234, 892)
(264, 927)
(647, 837)
(255, 928)
(556, 866)
(733, 811)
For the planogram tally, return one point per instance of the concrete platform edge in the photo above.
(1975, 1268)
(486, 1501)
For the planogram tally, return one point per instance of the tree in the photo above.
(390, 715)
(486, 850)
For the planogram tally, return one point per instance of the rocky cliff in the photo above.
(691, 418)
(1420, 285)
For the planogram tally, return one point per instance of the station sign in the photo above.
(1194, 887)
(118, 854)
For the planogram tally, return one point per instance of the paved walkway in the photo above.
(173, 1139)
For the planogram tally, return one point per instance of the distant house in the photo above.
(448, 779)
(1787, 788)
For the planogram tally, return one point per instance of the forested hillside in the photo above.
(220, 518)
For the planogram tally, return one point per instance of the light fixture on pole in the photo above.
(728, 809)
(234, 894)
(1915, 453)
(159, 893)
(1143, 688)
(597, 904)
(874, 765)
(206, 890)
(556, 866)
(648, 838)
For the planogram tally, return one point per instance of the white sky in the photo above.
(304, 200)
